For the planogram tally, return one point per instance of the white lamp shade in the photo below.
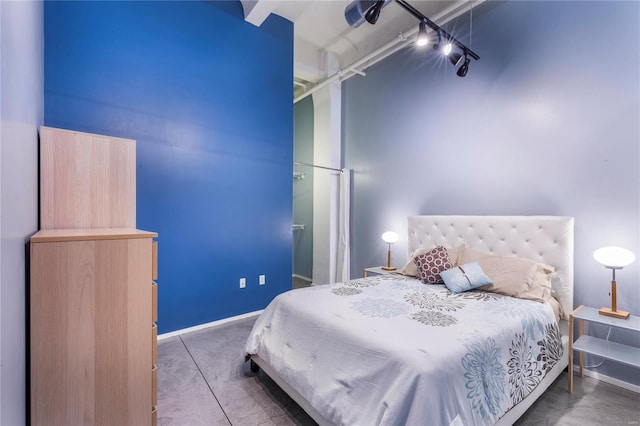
(390, 237)
(614, 257)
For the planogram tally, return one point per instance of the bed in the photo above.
(391, 350)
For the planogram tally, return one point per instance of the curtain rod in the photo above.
(320, 167)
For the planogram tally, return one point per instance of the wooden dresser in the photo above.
(93, 299)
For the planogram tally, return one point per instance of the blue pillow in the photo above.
(465, 277)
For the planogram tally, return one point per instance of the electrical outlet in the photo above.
(262, 280)
(243, 282)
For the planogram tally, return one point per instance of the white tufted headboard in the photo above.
(546, 239)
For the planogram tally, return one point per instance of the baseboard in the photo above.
(607, 379)
(209, 324)
(301, 277)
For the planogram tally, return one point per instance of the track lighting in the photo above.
(462, 71)
(373, 13)
(423, 38)
(358, 11)
(455, 58)
(443, 46)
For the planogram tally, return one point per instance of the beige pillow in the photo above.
(410, 269)
(513, 276)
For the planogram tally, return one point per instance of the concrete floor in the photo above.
(203, 381)
(298, 282)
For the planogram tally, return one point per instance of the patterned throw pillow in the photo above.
(411, 270)
(431, 263)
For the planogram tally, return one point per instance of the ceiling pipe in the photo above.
(387, 49)
(351, 69)
(357, 71)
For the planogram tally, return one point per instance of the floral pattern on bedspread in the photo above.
(526, 365)
(551, 349)
(485, 376)
(436, 319)
(388, 333)
(476, 295)
(524, 374)
(382, 308)
(433, 301)
(345, 291)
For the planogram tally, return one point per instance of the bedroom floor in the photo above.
(203, 381)
(299, 282)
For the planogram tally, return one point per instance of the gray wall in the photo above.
(21, 112)
(546, 122)
(303, 189)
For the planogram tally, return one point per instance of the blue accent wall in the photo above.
(546, 122)
(208, 97)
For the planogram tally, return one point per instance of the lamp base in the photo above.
(389, 268)
(616, 314)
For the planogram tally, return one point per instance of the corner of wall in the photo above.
(21, 113)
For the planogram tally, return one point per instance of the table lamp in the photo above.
(389, 237)
(613, 258)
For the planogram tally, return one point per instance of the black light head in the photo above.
(455, 58)
(373, 13)
(464, 68)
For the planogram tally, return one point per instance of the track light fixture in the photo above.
(422, 39)
(373, 13)
(462, 71)
(360, 10)
(446, 48)
(440, 46)
(455, 58)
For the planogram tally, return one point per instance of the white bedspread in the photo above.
(391, 350)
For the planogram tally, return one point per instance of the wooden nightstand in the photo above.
(613, 351)
(376, 270)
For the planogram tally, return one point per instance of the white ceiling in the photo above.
(320, 27)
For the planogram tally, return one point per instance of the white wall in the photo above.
(326, 152)
(21, 113)
(327, 128)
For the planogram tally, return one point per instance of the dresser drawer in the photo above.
(154, 260)
(154, 386)
(154, 417)
(154, 344)
(154, 302)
